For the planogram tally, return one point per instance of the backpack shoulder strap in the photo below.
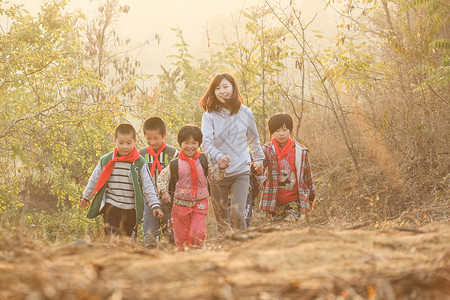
(204, 161)
(170, 150)
(173, 165)
(170, 153)
(174, 169)
(143, 152)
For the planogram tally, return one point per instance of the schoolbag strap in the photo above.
(170, 151)
(204, 162)
(173, 165)
(174, 170)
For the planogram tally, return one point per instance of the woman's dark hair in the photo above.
(125, 128)
(187, 131)
(209, 101)
(155, 123)
(278, 120)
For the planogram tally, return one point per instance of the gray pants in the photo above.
(230, 212)
(153, 226)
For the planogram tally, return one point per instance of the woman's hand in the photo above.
(224, 162)
(259, 168)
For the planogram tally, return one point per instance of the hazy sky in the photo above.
(149, 17)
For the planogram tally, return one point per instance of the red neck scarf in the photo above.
(108, 168)
(156, 159)
(285, 151)
(194, 173)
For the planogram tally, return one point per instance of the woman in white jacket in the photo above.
(228, 127)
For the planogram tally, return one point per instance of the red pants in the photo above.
(189, 225)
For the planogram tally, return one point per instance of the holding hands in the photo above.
(224, 162)
(257, 169)
(165, 196)
(158, 213)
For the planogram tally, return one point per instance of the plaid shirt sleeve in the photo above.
(269, 193)
(308, 178)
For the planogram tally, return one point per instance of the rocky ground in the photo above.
(270, 262)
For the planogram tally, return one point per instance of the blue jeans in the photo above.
(252, 194)
(153, 226)
(230, 213)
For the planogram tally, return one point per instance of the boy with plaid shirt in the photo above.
(288, 189)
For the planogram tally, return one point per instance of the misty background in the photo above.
(146, 19)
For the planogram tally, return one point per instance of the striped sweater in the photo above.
(119, 187)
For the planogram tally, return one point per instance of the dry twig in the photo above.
(409, 229)
(363, 224)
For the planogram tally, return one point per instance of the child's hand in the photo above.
(259, 168)
(261, 185)
(158, 213)
(165, 196)
(84, 203)
(224, 162)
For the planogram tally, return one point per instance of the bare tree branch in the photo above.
(31, 116)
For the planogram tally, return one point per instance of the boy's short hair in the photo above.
(125, 128)
(155, 123)
(187, 131)
(278, 120)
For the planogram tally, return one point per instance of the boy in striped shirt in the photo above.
(121, 185)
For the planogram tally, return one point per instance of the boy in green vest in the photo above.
(121, 186)
(158, 155)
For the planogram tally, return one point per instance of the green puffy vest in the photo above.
(94, 209)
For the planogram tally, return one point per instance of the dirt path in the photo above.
(293, 264)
